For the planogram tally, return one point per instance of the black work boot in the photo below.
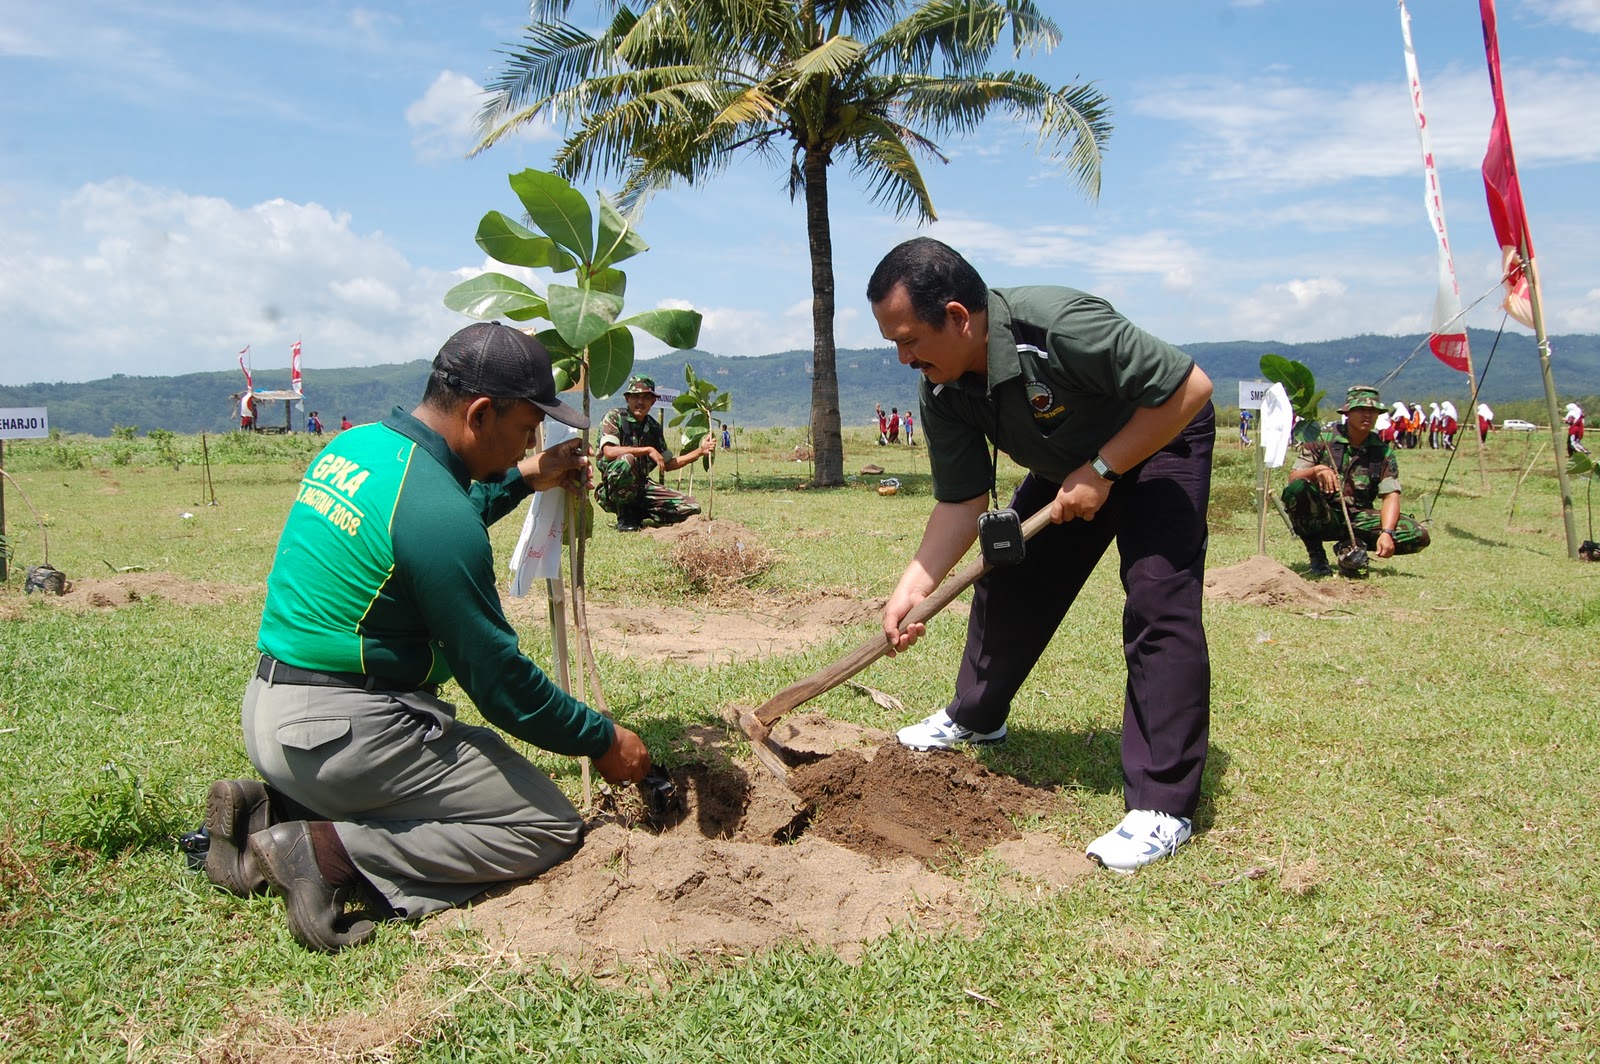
(1318, 557)
(628, 519)
(315, 908)
(235, 810)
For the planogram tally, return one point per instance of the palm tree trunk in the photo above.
(828, 447)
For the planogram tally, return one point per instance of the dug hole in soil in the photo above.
(854, 850)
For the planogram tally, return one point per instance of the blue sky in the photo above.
(180, 179)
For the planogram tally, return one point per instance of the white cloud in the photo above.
(1579, 14)
(1301, 308)
(744, 331)
(1272, 132)
(149, 281)
(443, 120)
(1584, 315)
(1065, 251)
(18, 42)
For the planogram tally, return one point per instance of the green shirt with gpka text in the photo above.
(385, 568)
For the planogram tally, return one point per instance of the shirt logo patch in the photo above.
(1040, 398)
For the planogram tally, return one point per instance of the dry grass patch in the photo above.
(718, 556)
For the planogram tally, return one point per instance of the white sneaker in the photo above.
(1143, 836)
(939, 732)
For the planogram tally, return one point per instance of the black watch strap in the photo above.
(1104, 471)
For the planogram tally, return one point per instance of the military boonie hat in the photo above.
(500, 362)
(641, 386)
(1361, 397)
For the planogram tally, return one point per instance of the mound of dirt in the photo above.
(627, 895)
(1263, 581)
(700, 525)
(808, 737)
(901, 803)
(127, 589)
(743, 865)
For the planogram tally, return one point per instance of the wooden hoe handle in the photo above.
(802, 691)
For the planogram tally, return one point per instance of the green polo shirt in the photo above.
(1066, 371)
(384, 567)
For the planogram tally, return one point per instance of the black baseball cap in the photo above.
(495, 360)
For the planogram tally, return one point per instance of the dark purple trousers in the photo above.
(1157, 514)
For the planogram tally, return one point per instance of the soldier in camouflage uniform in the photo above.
(1352, 458)
(631, 448)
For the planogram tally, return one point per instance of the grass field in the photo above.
(1393, 859)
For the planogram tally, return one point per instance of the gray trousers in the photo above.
(432, 812)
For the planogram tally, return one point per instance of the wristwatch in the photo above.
(1386, 532)
(1103, 471)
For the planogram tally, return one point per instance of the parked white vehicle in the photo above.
(1516, 424)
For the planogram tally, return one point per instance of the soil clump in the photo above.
(1264, 581)
(900, 803)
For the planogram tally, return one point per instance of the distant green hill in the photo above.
(776, 389)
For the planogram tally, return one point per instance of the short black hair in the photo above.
(447, 397)
(934, 274)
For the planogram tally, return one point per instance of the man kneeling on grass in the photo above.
(1352, 461)
(632, 447)
(384, 587)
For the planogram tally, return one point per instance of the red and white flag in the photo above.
(1449, 337)
(247, 383)
(1500, 183)
(294, 367)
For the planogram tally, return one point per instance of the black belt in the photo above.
(274, 671)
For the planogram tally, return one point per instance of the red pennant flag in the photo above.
(1500, 183)
(247, 383)
(294, 366)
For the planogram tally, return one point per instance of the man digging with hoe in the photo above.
(384, 587)
(1116, 431)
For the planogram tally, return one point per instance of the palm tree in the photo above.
(672, 92)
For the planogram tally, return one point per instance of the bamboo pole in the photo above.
(1263, 484)
(1536, 300)
(4, 550)
(1470, 417)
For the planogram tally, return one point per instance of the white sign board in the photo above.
(1251, 393)
(24, 423)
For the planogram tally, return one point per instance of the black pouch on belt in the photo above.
(1000, 531)
(1000, 537)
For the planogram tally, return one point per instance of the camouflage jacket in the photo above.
(618, 428)
(1367, 472)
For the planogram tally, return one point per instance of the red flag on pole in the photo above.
(247, 383)
(1500, 183)
(294, 367)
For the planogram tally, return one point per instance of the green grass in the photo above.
(1394, 863)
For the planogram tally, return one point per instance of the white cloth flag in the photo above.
(1449, 339)
(538, 553)
(1277, 424)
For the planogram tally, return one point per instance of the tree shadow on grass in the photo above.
(1458, 532)
(1089, 760)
